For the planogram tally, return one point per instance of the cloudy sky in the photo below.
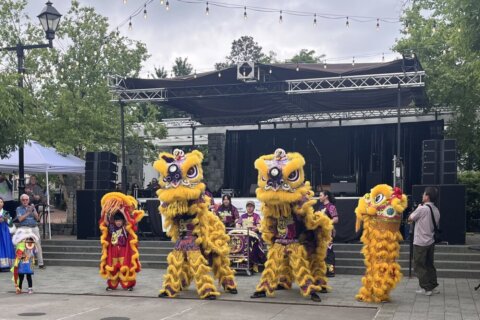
(186, 31)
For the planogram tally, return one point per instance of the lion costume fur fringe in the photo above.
(184, 202)
(125, 274)
(380, 211)
(294, 199)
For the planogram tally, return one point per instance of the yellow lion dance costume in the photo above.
(381, 213)
(120, 261)
(199, 235)
(297, 236)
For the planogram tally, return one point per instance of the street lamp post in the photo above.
(49, 19)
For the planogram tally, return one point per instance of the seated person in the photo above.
(251, 219)
(227, 212)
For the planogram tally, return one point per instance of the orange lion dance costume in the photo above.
(120, 259)
(381, 213)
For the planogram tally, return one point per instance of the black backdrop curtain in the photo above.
(343, 151)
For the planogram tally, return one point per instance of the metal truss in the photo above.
(180, 123)
(360, 115)
(359, 82)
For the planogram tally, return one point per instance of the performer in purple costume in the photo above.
(251, 221)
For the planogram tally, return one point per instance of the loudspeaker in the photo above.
(89, 211)
(101, 156)
(451, 203)
(100, 170)
(99, 185)
(439, 162)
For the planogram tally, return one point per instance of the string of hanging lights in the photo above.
(209, 4)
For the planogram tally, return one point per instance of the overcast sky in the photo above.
(186, 31)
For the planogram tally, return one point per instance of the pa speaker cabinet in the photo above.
(451, 203)
(89, 212)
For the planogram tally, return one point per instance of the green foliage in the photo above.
(306, 56)
(471, 180)
(182, 67)
(160, 73)
(444, 35)
(246, 49)
(69, 103)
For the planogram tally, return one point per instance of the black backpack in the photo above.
(437, 233)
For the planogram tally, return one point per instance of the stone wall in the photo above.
(214, 169)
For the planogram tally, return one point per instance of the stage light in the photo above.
(207, 10)
(347, 24)
(315, 19)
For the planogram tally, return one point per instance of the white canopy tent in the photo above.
(40, 159)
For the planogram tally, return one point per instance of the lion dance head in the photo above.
(281, 179)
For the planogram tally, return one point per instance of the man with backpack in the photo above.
(427, 220)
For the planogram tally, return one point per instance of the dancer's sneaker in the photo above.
(420, 291)
(315, 297)
(258, 294)
(30, 291)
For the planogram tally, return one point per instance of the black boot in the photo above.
(315, 297)
(281, 287)
(211, 297)
(163, 295)
(232, 291)
(258, 294)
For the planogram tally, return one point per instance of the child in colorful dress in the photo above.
(24, 241)
(120, 261)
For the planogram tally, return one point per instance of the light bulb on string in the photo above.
(207, 10)
(124, 1)
(297, 68)
(347, 24)
(195, 74)
(459, 29)
(219, 74)
(245, 13)
(383, 57)
(167, 5)
(280, 20)
(378, 24)
(325, 64)
(406, 27)
(270, 70)
(315, 19)
(434, 27)
(145, 11)
(130, 24)
(444, 51)
(353, 62)
(161, 2)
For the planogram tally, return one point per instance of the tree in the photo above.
(160, 73)
(181, 67)
(246, 49)
(68, 104)
(306, 56)
(448, 46)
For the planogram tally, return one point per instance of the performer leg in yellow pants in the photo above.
(224, 274)
(176, 272)
(296, 256)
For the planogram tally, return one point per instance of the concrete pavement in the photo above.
(79, 293)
